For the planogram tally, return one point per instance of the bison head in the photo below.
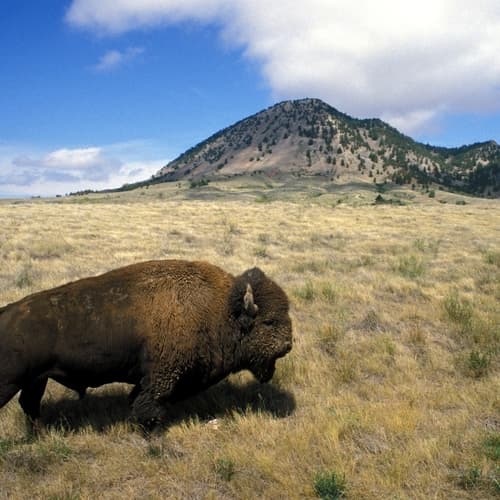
(261, 309)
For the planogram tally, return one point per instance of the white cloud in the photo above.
(413, 120)
(112, 59)
(411, 61)
(73, 158)
(67, 170)
(122, 15)
(84, 163)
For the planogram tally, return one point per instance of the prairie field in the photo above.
(392, 388)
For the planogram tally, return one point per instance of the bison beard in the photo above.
(172, 328)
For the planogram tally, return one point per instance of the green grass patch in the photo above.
(330, 485)
(261, 252)
(492, 447)
(471, 478)
(224, 468)
(458, 309)
(154, 451)
(306, 292)
(309, 292)
(426, 245)
(411, 266)
(492, 258)
(478, 363)
(328, 292)
(5, 446)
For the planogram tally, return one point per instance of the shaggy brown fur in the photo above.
(171, 327)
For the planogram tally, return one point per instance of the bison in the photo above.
(171, 327)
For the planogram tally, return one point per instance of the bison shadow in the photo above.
(101, 409)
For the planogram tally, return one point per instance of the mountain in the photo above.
(308, 137)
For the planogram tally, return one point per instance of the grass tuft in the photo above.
(492, 447)
(411, 266)
(5, 446)
(430, 246)
(224, 468)
(372, 321)
(306, 292)
(493, 258)
(471, 478)
(25, 277)
(328, 292)
(261, 251)
(154, 451)
(330, 485)
(478, 363)
(459, 310)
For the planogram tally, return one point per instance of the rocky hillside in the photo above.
(308, 137)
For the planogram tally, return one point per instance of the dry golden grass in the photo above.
(393, 381)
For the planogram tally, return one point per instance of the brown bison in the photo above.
(171, 327)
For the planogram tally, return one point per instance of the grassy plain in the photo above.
(391, 390)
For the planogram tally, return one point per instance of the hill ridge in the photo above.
(309, 137)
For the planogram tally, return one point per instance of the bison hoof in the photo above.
(34, 428)
(149, 425)
(147, 412)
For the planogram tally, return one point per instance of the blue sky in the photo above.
(95, 93)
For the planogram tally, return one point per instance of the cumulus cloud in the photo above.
(123, 15)
(59, 169)
(80, 158)
(409, 62)
(67, 170)
(113, 59)
(81, 163)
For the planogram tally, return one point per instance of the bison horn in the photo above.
(250, 307)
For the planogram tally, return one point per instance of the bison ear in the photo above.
(250, 307)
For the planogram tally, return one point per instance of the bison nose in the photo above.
(288, 346)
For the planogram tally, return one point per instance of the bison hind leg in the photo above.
(31, 395)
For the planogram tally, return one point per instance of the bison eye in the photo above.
(269, 322)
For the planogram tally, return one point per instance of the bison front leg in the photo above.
(31, 395)
(147, 409)
(150, 402)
